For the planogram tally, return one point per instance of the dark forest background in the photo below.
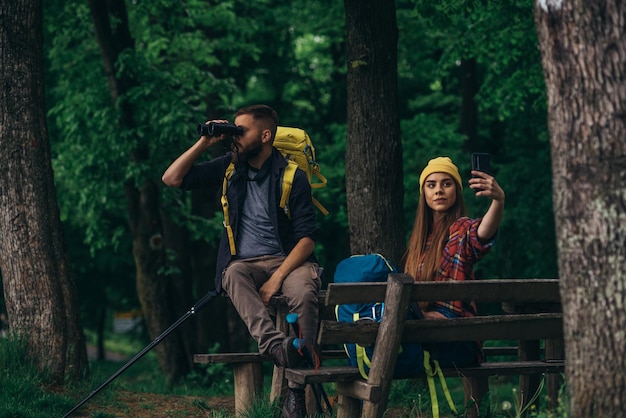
(469, 79)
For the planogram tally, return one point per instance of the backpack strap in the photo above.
(362, 359)
(288, 175)
(224, 200)
(321, 178)
(430, 374)
(320, 206)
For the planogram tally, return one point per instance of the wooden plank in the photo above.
(388, 342)
(231, 358)
(554, 351)
(360, 389)
(492, 290)
(502, 368)
(248, 380)
(496, 327)
(529, 350)
(324, 374)
(348, 373)
(347, 407)
(256, 357)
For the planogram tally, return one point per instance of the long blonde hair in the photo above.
(420, 262)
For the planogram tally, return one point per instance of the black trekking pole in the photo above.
(318, 389)
(192, 311)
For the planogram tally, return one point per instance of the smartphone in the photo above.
(480, 162)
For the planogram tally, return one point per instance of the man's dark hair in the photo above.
(261, 112)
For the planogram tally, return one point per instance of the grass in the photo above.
(24, 394)
(413, 397)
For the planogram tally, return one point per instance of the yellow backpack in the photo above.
(296, 146)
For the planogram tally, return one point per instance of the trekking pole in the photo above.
(192, 311)
(292, 319)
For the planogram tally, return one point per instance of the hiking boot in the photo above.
(295, 406)
(286, 355)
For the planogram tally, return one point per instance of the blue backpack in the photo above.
(372, 268)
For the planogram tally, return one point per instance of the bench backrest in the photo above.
(530, 310)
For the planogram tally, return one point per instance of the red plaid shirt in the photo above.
(462, 250)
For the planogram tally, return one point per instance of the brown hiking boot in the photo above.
(286, 355)
(295, 406)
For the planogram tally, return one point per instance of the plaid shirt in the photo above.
(462, 250)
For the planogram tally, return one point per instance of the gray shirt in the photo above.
(256, 235)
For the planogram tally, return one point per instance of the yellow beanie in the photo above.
(441, 165)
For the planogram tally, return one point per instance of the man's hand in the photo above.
(296, 257)
(174, 174)
(270, 288)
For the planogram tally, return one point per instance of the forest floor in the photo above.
(125, 404)
(151, 405)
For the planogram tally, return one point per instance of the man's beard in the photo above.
(249, 152)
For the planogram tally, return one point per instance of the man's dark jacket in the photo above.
(290, 231)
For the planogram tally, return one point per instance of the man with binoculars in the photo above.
(267, 252)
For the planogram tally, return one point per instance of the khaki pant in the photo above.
(242, 281)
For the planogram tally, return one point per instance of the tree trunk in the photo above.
(374, 187)
(156, 294)
(39, 290)
(583, 47)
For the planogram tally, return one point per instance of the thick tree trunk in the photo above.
(583, 46)
(156, 294)
(39, 289)
(374, 188)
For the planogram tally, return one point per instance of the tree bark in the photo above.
(374, 180)
(39, 289)
(583, 47)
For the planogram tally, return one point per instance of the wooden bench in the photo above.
(248, 367)
(531, 317)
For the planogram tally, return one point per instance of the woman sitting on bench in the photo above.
(445, 245)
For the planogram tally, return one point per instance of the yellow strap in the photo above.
(224, 200)
(322, 179)
(361, 360)
(288, 176)
(361, 356)
(430, 373)
(431, 384)
(446, 392)
(320, 206)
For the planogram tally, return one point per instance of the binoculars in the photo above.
(215, 129)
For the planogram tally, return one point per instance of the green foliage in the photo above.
(196, 60)
(511, 108)
(333, 237)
